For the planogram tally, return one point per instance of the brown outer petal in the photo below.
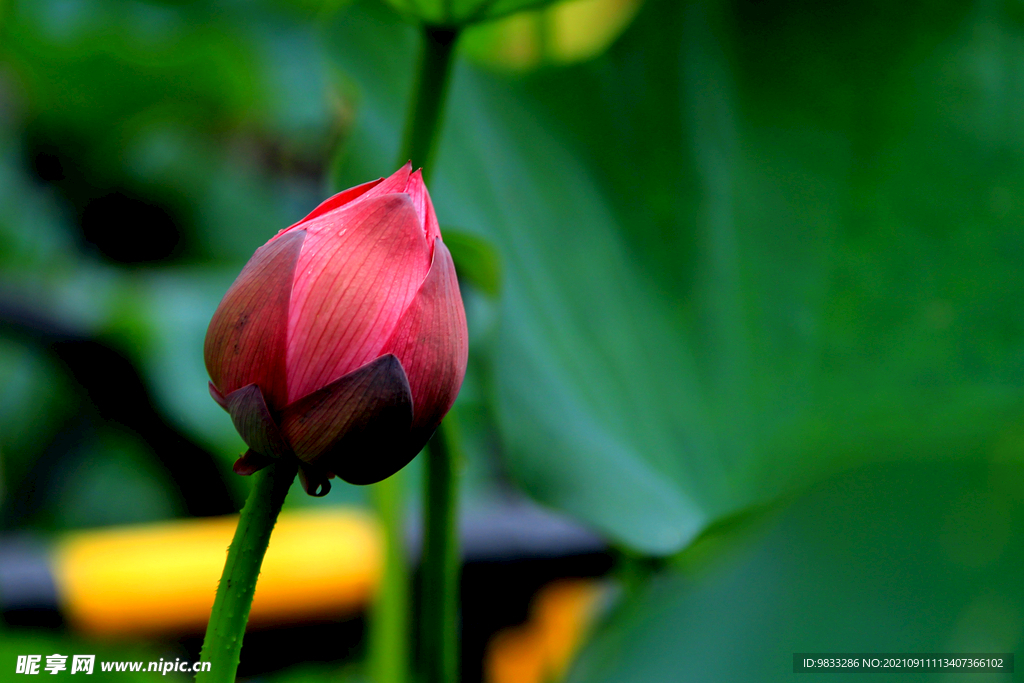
(250, 462)
(254, 423)
(357, 425)
(314, 481)
(432, 343)
(247, 336)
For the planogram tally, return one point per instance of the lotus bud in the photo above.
(343, 341)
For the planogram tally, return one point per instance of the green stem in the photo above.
(389, 634)
(439, 617)
(427, 107)
(224, 633)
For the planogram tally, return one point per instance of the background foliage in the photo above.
(743, 256)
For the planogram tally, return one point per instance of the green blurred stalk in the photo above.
(439, 644)
(389, 626)
(388, 648)
(226, 628)
(427, 106)
(439, 620)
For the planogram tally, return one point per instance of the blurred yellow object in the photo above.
(566, 32)
(541, 650)
(161, 578)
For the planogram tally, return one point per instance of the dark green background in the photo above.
(760, 286)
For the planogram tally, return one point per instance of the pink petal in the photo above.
(359, 269)
(252, 419)
(424, 207)
(247, 337)
(338, 200)
(394, 183)
(432, 342)
(356, 425)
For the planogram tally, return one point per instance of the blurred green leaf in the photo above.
(162, 323)
(896, 558)
(34, 401)
(217, 115)
(463, 12)
(316, 9)
(475, 260)
(735, 259)
(317, 673)
(97, 71)
(111, 479)
(22, 205)
(561, 33)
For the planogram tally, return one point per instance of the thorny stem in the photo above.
(226, 628)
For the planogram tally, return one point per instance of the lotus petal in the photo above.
(359, 269)
(247, 337)
(356, 426)
(338, 200)
(254, 423)
(432, 344)
(424, 207)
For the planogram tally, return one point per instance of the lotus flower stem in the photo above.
(439, 620)
(440, 558)
(389, 624)
(427, 106)
(224, 633)
(389, 635)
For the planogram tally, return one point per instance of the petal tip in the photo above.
(249, 463)
(314, 482)
(217, 396)
(254, 422)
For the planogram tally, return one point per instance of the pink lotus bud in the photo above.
(343, 341)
